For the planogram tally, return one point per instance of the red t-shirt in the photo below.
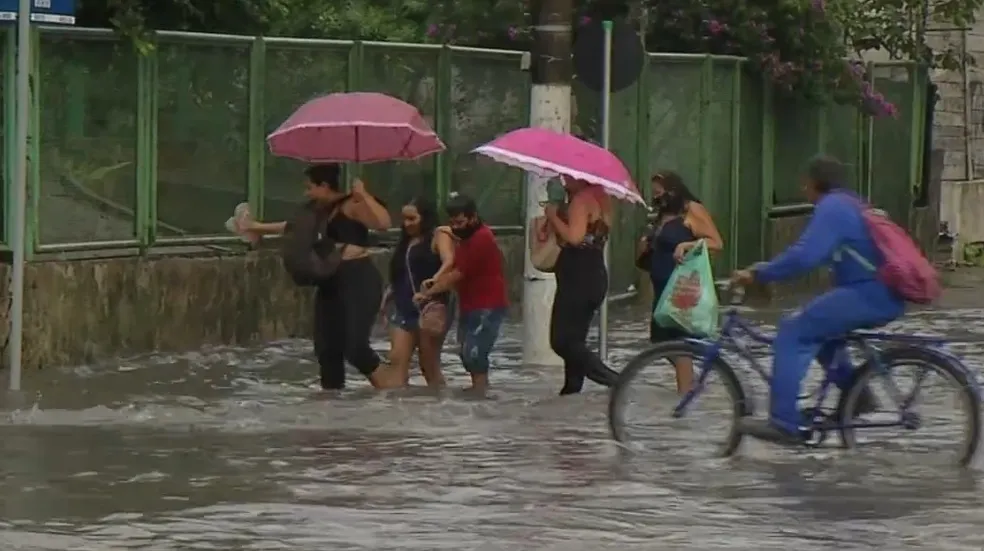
(483, 286)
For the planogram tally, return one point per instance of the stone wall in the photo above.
(77, 311)
(959, 118)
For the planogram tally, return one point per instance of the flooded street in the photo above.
(231, 449)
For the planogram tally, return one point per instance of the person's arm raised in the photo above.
(576, 227)
(369, 210)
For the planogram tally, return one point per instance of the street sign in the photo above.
(589, 55)
(59, 12)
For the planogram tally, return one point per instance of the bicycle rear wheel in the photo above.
(707, 425)
(907, 408)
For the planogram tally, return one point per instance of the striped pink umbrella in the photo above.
(550, 154)
(354, 127)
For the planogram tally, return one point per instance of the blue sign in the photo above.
(60, 12)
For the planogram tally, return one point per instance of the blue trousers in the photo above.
(477, 332)
(810, 333)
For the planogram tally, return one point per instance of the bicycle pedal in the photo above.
(818, 420)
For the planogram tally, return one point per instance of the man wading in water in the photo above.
(481, 287)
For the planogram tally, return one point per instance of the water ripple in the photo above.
(230, 448)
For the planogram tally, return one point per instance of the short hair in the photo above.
(459, 204)
(826, 173)
(328, 174)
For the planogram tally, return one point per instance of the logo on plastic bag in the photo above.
(686, 292)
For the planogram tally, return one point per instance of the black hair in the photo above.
(428, 225)
(459, 204)
(328, 174)
(826, 173)
(678, 194)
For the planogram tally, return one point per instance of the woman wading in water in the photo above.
(582, 282)
(425, 252)
(680, 222)
(346, 304)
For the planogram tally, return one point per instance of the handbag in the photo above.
(644, 260)
(544, 248)
(433, 313)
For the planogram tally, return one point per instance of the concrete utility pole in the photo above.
(550, 107)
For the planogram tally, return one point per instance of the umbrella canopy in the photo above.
(355, 127)
(550, 154)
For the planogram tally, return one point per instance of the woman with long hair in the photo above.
(425, 252)
(679, 223)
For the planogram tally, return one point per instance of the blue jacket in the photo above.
(837, 224)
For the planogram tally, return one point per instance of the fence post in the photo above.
(354, 84)
(32, 236)
(642, 133)
(706, 127)
(257, 126)
(821, 128)
(442, 125)
(917, 104)
(768, 162)
(9, 128)
(146, 170)
(735, 165)
(867, 133)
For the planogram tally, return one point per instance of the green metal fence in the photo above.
(137, 151)
(741, 151)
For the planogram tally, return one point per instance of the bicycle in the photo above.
(881, 352)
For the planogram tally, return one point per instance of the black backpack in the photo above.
(310, 256)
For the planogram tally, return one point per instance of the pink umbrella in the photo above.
(356, 127)
(550, 154)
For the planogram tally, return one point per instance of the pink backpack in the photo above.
(906, 269)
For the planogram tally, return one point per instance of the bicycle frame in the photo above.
(734, 328)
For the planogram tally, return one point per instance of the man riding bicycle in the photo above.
(858, 299)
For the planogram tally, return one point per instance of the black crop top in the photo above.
(343, 229)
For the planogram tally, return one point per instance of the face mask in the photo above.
(669, 203)
(467, 231)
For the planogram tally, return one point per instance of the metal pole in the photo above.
(19, 199)
(606, 100)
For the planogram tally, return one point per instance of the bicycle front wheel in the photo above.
(926, 406)
(643, 412)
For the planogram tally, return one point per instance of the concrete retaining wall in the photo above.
(961, 208)
(77, 311)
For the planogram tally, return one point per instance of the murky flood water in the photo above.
(230, 449)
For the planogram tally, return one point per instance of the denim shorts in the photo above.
(477, 332)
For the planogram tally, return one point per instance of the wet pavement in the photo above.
(230, 449)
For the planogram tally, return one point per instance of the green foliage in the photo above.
(800, 45)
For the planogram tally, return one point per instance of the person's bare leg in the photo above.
(429, 356)
(684, 374)
(480, 382)
(386, 376)
(402, 343)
